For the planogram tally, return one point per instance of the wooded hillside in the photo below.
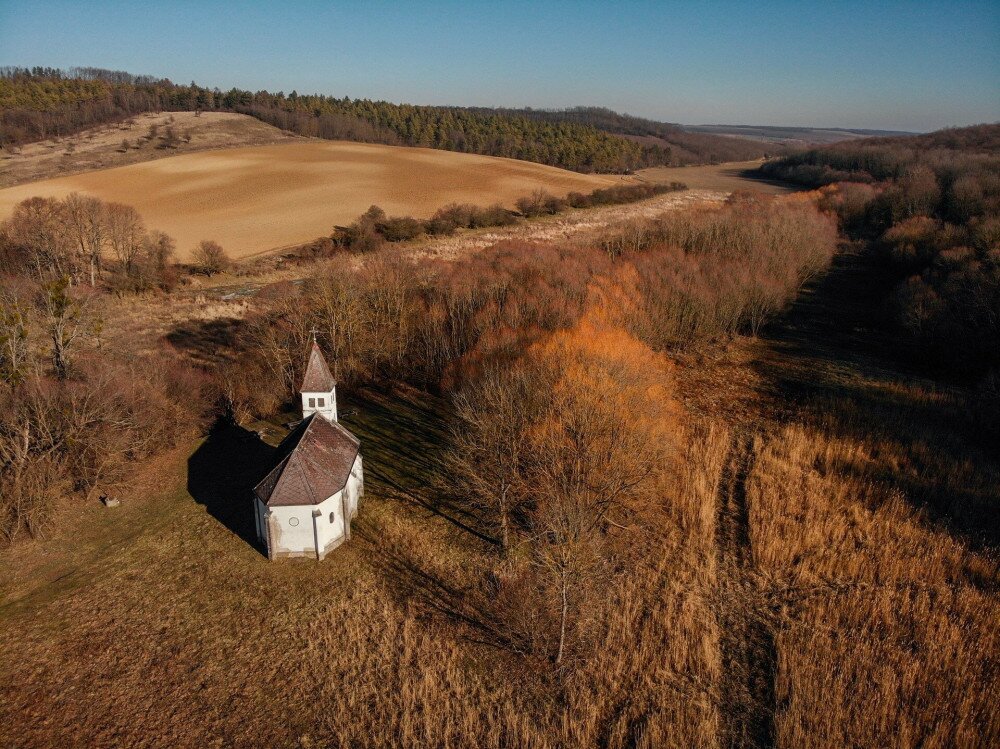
(929, 208)
(673, 144)
(40, 103)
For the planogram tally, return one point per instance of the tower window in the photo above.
(320, 402)
(312, 403)
(333, 518)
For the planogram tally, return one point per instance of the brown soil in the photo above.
(253, 200)
(101, 147)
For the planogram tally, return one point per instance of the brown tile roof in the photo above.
(312, 463)
(318, 378)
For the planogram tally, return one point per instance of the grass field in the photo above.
(815, 582)
(166, 603)
(722, 177)
(252, 200)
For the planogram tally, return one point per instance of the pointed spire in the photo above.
(317, 378)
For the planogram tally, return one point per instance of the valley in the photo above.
(332, 422)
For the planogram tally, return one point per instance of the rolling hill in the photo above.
(261, 198)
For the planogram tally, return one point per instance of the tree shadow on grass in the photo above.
(833, 365)
(402, 435)
(222, 472)
(415, 580)
(206, 341)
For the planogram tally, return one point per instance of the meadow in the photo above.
(661, 481)
(727, 177)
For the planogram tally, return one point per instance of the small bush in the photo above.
(401, 229)
(495, 215)
(318, 248)
(540, 203)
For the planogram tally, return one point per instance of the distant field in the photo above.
(721, 177)
(103, 147)
(792, 136)
(256, 199)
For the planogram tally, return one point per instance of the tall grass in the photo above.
(885, 628)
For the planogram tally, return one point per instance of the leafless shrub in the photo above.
(210, 258)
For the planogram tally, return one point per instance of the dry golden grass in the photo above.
(886, 631)
(252, 200)
(182, 634)
(871, 514)
(726, 177)
(815, 580)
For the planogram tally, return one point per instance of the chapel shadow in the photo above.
(223, 471)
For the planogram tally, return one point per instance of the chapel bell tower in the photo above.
(319, 391)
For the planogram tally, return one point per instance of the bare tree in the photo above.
(126, 235)
(487, 456)
(68, 318)
(14, 330)
(170, 138)
(29, 443)
(595, 450)
(37, 232)
(386, 298)
(160, 248)
(210, 257)
(88, 226)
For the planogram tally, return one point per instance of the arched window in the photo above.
(333, 518)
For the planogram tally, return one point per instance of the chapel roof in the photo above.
(318, 378)
(312, 464)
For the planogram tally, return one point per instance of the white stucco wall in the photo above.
(292, 530)
(323, 522)
(328, 409)
(355, 486)
(328, 531)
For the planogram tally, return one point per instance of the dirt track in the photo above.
(256, 199)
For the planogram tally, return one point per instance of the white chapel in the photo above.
(304, 506)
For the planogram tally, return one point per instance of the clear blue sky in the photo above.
(894, 65)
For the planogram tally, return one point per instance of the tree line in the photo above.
(373, 229)
(667, 144)
(928, 208)
(41, 103)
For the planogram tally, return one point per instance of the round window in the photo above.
(293, 521)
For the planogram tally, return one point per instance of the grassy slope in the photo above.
(257, 199)
(101, 147)
(849, 576)
(168, 609)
